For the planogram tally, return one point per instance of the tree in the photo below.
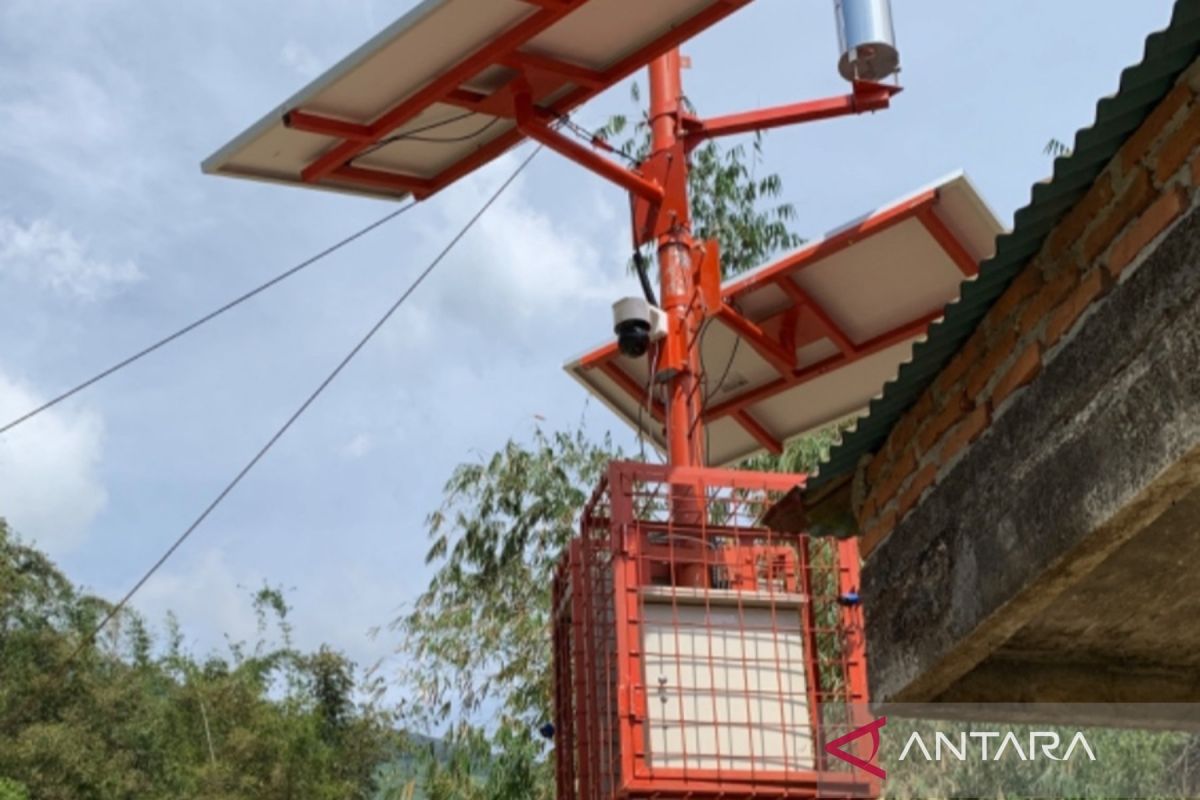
(135, 717)
(477, 637)
(1056, 148)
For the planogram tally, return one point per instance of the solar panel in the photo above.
(431, 98)
(821, 330)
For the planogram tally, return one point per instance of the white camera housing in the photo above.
(637, 323)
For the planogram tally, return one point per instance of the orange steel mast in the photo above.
(690, 272)
(679, 292)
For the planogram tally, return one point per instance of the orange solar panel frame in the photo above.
(791, 317)
(548, 75)
(551, 87)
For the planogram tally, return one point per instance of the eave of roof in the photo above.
(1168, 53)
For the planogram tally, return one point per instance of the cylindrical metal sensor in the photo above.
(866, 39)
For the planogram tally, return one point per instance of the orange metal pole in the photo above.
(680, 360)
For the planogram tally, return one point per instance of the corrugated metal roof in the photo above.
(1168, 53)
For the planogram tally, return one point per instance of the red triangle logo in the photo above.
(834, 748)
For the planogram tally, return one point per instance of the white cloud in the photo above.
(46, 255)
(210, 596)
(87, 150)
(300, 59)
(34, 115)
(358, 447)
(50, 490)
(519, 275)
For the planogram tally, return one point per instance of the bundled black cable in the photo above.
(639, 264)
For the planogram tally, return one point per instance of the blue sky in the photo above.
(110, 237)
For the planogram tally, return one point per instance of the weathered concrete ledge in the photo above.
(1080, 470)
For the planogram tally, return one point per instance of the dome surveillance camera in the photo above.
(637, 324)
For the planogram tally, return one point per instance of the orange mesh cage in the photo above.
(698, 653)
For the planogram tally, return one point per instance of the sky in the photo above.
(110, 237)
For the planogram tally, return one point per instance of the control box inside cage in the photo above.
(727, 676)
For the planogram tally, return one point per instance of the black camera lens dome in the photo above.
(633, 337)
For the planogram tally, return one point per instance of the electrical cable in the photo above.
(207, 317)
(595, 139)
(725, 374)
(642, 406)
(708, 395)
(639, 264)
(414, 135)
(116, 609)
(441, 123)
(641, 427)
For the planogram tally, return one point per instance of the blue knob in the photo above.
(849, 599)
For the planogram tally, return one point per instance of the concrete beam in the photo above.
(1099, 446)
(1001, 680)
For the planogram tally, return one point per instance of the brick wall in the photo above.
(1149, 184)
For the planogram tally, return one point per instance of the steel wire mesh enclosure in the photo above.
(699, 654)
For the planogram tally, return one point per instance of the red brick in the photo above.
(867, 512)
(1131, 202)
(1043, 304)
(938, 424)
(905, 430)
(1191, 77)
(1064, 281)
(1138, 145)
(876, 533)
(875, 468)
(967, 431)
(893, 477)
(902, 467)
(1178, 146)
(1028, 282)
(1022, 371)
(925, 406)
(920, 482)
(958, 366)
(1064, 317)
(983, 370)
(1080, 217)
(1161, 213)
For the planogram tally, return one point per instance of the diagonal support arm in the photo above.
(766, 347)
(535, 127)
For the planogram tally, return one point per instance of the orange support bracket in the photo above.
(902, 333)
(419, 187)
(755, 429)
(628, 385)
(866, 97)
(533, 125)
(801, 299)
(309, 122)
(532, 62)
(966, 263)
(766, 347)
